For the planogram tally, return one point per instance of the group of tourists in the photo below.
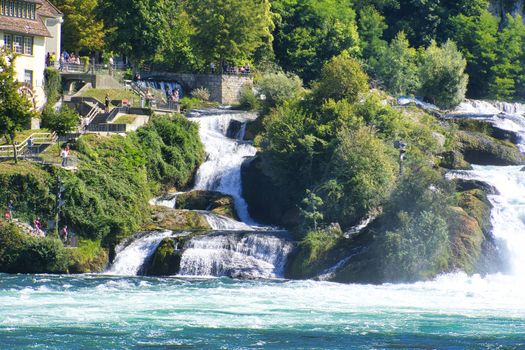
(67, 59)
(172, 96)
(227, 69)
(37, 229)
(50, 59)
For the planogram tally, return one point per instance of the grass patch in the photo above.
(126, 119)
(114, 94)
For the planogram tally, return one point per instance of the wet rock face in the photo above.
(215, 202)
(178, 220)
(166, 259)
(479, 148)
(267, 202)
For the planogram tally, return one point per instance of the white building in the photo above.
(32, 29)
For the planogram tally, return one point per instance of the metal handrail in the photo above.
(37, 138)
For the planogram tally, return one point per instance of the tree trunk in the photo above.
(15, 151)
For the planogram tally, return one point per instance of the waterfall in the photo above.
(223, 223)
(132, 255)
(502, 115)
(508, 213)
(221, 172)
(246, 255)
(160, 85)
(168, 200)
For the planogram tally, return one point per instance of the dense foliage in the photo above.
(107, 197)
(15, 107)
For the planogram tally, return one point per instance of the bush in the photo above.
(60, 122)
(442, 75)
(342, 78)
(419, 248)
(247, 99)
(188, 103)
(362, 174)
(201, 93)
(20, 253)
(279, 87)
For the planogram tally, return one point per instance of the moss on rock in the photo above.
(177, 220)
(165, 261)
(215, 202)
(466, 238)
(88, 257)
(479, 148)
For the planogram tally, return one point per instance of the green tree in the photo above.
(15, 108)
(311, 209)
(137, 28)
(477, 40)
(361, 175)
(311, 32)
(510, 57)
(52, 84)
(60, 122)
(230, 30)
(371, 27)
(342, 78)
(278, 87)
(442, 75)
(397, 67)
(81, 30)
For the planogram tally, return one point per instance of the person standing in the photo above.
(106, 102)
(63, 234)
(63, 155)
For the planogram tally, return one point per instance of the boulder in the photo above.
(177, 220)
(454, 160)
(165, 261)
(463, 185)
(479, 148)
(215, 202)
(268, 203)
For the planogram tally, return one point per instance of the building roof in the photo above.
(29, 26)
(47, 9)
(24, 26)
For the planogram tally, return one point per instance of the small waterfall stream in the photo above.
(221, 172)
(235, 248)
(130, 257)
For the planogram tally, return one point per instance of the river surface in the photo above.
(108, 312)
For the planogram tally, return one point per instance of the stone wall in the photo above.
(224, 89)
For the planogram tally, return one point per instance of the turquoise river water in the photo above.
(108, 312)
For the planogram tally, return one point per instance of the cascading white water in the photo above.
(221, 172)
(248, 255)
(508, 214)
(160, 85)
(224, 223)
(131, 257)
(502, 115)
(169, 200)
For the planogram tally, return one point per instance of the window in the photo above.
(8, 41)
(18, 44)
(28, 45)
(20, 9)
(28, 77)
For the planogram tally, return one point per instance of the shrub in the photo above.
(442, 75)
(342, 78)
(20, 253)
(278, 87)
(187, 103)
(60, 122)
(247, 98)
(419, 248)
(201, 93)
